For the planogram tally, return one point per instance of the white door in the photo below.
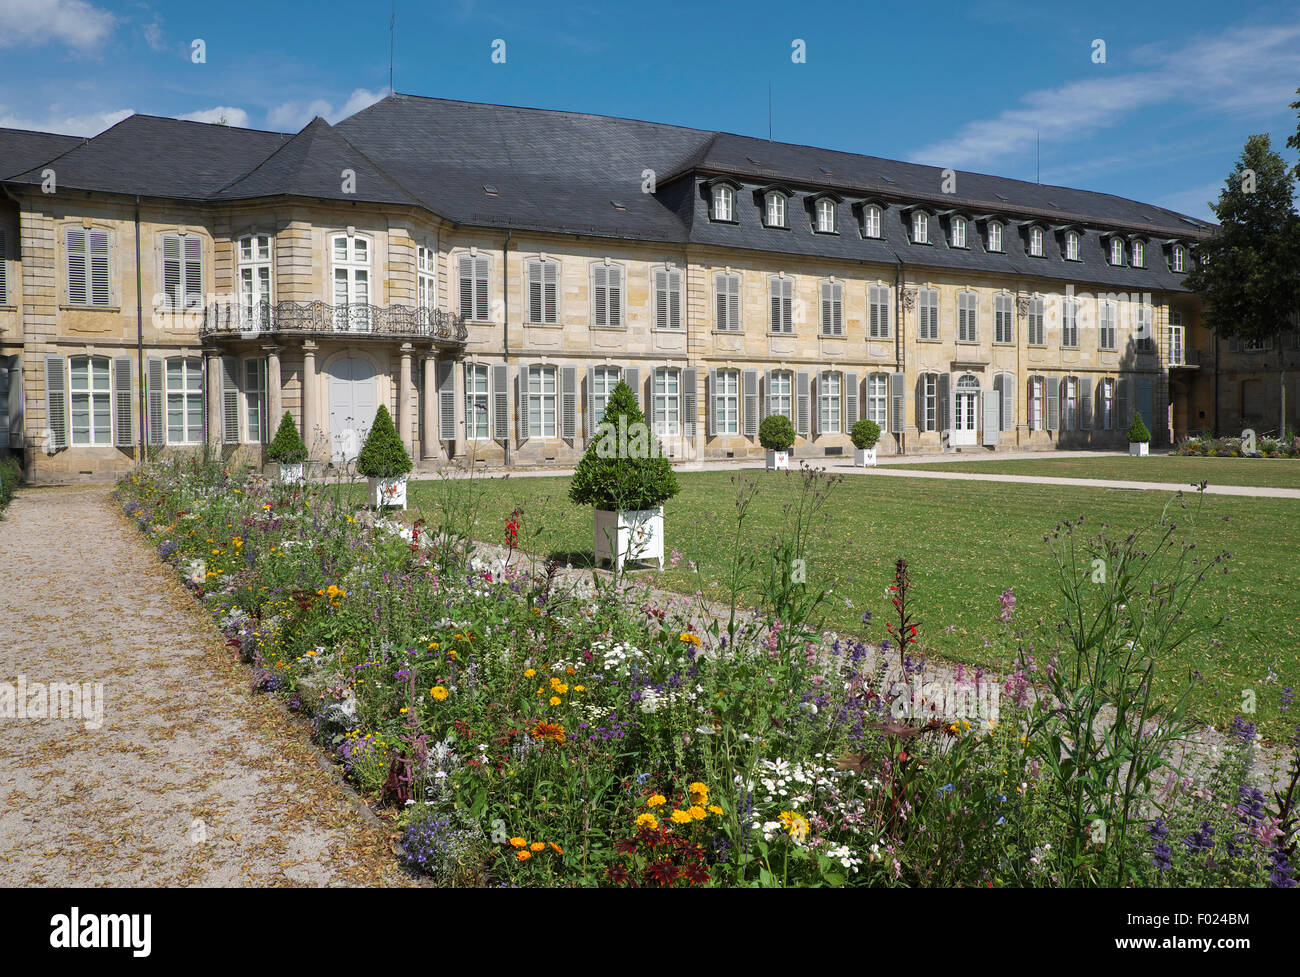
(965, 411)
(352, 406)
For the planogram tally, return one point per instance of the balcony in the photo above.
(319, 319)
(1184, 359)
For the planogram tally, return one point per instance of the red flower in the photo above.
(662, 872)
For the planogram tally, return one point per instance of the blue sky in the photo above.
(966, 85)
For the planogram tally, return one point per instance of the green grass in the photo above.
(1176, 469)
(965, 543)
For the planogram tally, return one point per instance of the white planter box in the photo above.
(388, 492)
(291, 474)
(637, 535)
(1139, 448)
(864, 457)
(777, 460)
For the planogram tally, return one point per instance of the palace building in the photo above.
(490, 273)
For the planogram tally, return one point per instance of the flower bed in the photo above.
(520, 729)
(1237, 448)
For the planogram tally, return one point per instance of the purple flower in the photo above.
(1201, 840)
(1242, 730)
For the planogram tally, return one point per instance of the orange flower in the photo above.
(519, 842)
(558, 849)
(524, 855)
(537, 846)
(549, 731)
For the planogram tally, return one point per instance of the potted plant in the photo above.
(776, 434)
(624, 475)
(384, 461)
(1139, 438)
(288, 451)
(864, 436)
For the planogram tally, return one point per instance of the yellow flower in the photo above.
(794, 823)
(579, 688)
(433, 645)
(699, 792)
(519, 842)
(688, 638)
(523, 856)
(537, 846)
(555, 700)
(439, 693)
(681, 817)
(558, 849)
(714, 809)
(530, 673)
(697, 813)
(647, 821)
(656, 800)
(560, 688)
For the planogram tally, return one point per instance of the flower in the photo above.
(681, 817)
(697, 813)
(558, 849)
(796, 824)
(555, 700)
(549, 731)
(519, 842)
(699, 792)
(656, 800)
(439, 693)
(538, 846)
(530, 672)
(647, 821)
(714, 809)
(688, 638)
(523, 855)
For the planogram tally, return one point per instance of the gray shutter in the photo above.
(124, 436)
(920, 403)
(1085, 403)
(100, 288)
(1007, 390)
(944, 409)
(632, 377)
(465, 276)
(56, 401)
(751, 404)
(1029, 404)
(521, 401)
(229, 400)
(1122, 400)
(16, 403)
(711, 405)
(992, 403)
(154, 401)
(689, 400)
(75, 245)
(536, 311)
(819, 391)
(589, 388)
(802, 398)
(767, 393)
(1052, 407)
(850, 400)
(569, 403)
(897, 403)
(500, 402)
(445, 380)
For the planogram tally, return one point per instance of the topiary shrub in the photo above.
(1137, 431)
(383, 455)
(776, 433)
(287, 447)
(624, 468)
(865, 434)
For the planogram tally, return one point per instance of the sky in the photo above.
(1017, 89)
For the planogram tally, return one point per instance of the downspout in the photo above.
(899, 362)
(505, 326)
(139, 336)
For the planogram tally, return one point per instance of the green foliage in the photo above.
(10, 475)
(287, 447)
(624, 467)
(1137, 431)
(383, 455)
(776, 433)
(865, 434)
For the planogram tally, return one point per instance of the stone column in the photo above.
(216, 407)
(405, 389)
(310, 384)
(274, 400)
(430, 439)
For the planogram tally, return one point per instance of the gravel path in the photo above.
(190, 779)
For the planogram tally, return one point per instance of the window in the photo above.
(1003, 319)
(828, 403)
(1107, 403)
(1069, 403)
(541, 402)
(1037, 334)
(781, 294)
(1070, 323)
(426, 278)
(878, 311)
(1036, 242)
(668, 298)
(920, 227)
(1139, 254)
(825, 216)
(726, 302)
(351, 255)
(1106, 325)
(929, 401)
(184, 400)
(775, 209)
(667, 402)
(1176, 348)
(1071, 246)
(929, 302)
(780, 384)
(92, 410)
(723, 202)
(254, 279)
(726, 402)
(1143, 327)
(472, 276)
(1178, 257)
(995, 236)
(477, 406)
(88, 281)
(607, 295)
(959, 232)
(832, 309)
(255, 401)
(182, 267)
(1035, 403)
(1116, 251)
(878, 399)
(871, 221)
(967, 318)
(543, 290)
(4, 274)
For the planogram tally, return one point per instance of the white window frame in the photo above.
(1138, 251)
(723, 203)
(91, 401)
(350, 267)
(830, 401)
(930, 401)
(1069, 404)
(254, 252)
(726, 301)
(995, 236)
(726, 402)
(780, 318)
(1034, 408)
(535, 271)
(920, 227)
(1144, 322)
(189, 395)
(775, 209)
(1177, 339)
(1036, 242)
(1071, 246)
(780, 393)
(825, 215)
(871, 221)
(256, 401)
(1070, 323)
(1107, 325)
(426, 277)
(603, 381)
(1117, 251)
(188, 270)
(968, 317)
(667, 391)
(1178, 258)
(877, 401)
(959, 232)
(478, 402)
(543, 400)
(1107, 403)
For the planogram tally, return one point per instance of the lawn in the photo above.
(966, 542)
(1175, 469)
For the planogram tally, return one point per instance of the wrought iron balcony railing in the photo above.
(320, 318)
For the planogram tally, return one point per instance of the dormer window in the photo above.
(920, 227)
(1071, 246)
(775, 209)
(1116, 251)
(995, 236)
(1139, 251)
(1036, 242)
(1179, 257)
(825, 216)
(724, 203)
(871, 221)
(959, 232)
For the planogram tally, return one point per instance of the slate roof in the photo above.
(21, 149)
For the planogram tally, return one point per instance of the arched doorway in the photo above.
(965, 405)
(353, 402)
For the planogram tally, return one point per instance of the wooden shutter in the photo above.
(1029, 404)
(500, 401)
(56, 401)
(536, 308)
(172, 270)
(124, 435)
(100, 291)
(819, 391)
(4, 271)
(992, 403)
(632, 377)
(1052, 405)
(445, 381)
(689, 400)
(803, 382)
(16, 403)
(521, 401)
(873, 311)
(229, 400)
(614, 299)
(850, 400)
(711, 405)
(1122, 401)
(944, 409)
(193, 271)
(661, 298)
(897, 403)
(589, 388)
(481, 287)
(569, 403)
(551, 291)
(1085, 403)
(154, 401)
(599, 294)
(1007, 391)
(751, 404)
(767, 393)
(465, 274)
(76, 248)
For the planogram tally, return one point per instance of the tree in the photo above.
(1248, 273)
(383, 455)
(287, 447)
(624, 468)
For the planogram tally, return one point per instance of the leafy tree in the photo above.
(776, 433)
(624, 468)
(383, 455)
(1137, 431)
(865, 434)
(1249, 272)
(287, 447)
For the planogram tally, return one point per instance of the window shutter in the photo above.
(897, 403)
(1029, 404)
(850, 400)
(767, 393)
(535, 307)
(826, 308)
(873, 330)
(733, 302)
(193, 271)
(56, 401)
(445, 380)
(16, 403)
(4, 271)
(1085, 403)
(99, 284)
(1122, 399)
(1052, 408)
(711, 414)
(1008, 392)
(172, 270)
(229, 400)
(614, 298)
(689, 400)
(154, 400)
(803, 383)
(632, 377)
(589, 388)
(481, 287)
(837, 309)
(751, 403)
(819, 391)
(920, 403)
(569, 403)
(521, 401)
(599, 289)
(945, 405)
(992, 417)
(551, 291)
(465, 273)
(787, 306)
(76, 246)
(124, 435)
(661, 298)
(500, 401)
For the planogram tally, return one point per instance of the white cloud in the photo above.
(292, 116)
(153, 33)
(57, 120)
(32, 23)
(233, 116)
(1194, 202)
